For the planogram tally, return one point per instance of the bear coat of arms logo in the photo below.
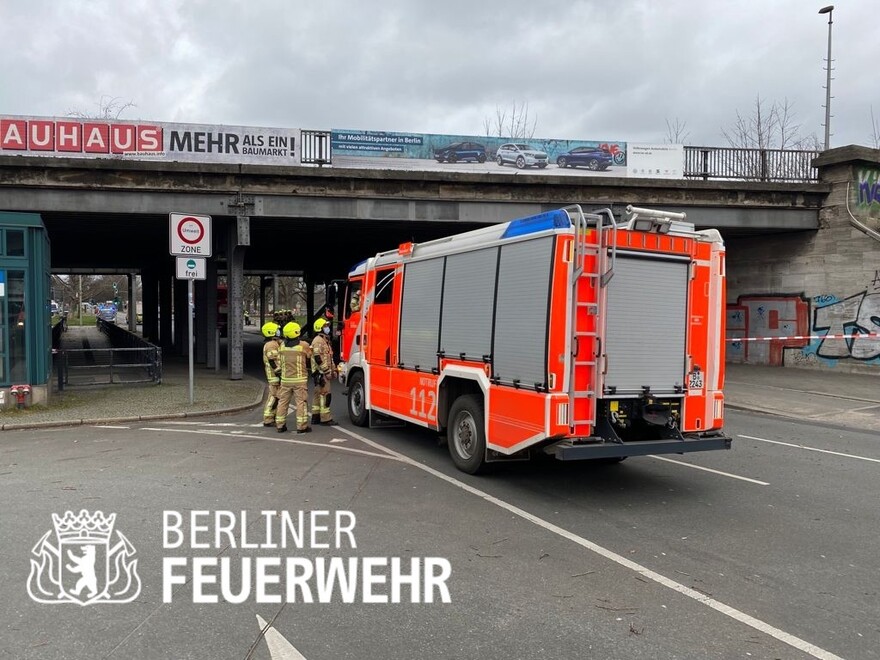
(84, 566)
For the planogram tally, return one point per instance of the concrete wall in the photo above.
(815, 283)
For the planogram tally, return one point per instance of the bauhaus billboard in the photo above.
(147, 140)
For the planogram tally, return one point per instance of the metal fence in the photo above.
(733, 163)
(315, 147)
(128, 359)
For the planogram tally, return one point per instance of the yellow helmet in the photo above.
(320, 323)
(291, 330)
(270, 329)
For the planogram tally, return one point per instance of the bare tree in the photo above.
(769, 127)
(514, 123)
(676, 131)
(109, 107)
(875, 130)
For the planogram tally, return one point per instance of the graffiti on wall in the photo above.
(766, 316)
(867, 191)
(854, 318)
(839, 329)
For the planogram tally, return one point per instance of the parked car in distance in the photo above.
(461, 151)
(521, 155)
(592, 158)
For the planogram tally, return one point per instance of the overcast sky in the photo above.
(593, 70)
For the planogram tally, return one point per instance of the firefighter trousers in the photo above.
(271, 407)
(299, 393)
(321, 403)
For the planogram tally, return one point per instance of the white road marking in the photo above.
(700, 467)
(742, 617)
(848, 410)
(230, 434)
(177, 423)
(823, 451)
(218, 424)
(109, 426)
(338, 440)
(279, 647)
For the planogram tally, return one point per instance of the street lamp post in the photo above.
(828, 10)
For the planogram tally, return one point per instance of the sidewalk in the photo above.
(213, 393)
(851, 400)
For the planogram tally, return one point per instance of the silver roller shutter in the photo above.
(521, 312)
(420, 314)
(646, 325)
(468, 294)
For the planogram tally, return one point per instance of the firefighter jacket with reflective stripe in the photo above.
(295, 356)
(271, 360)
(322, 358)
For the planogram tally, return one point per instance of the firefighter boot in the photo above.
(282, 429)
(316, 418)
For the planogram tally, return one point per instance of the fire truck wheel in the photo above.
(357, 400)
(467, 434)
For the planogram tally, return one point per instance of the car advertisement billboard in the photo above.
(421, 151)
(68, 137)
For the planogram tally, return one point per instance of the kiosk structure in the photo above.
(25, 310)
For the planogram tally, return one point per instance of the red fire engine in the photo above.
(567, 331)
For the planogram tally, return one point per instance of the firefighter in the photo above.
(272, 364)
(355, 304)
(295, 355)
(323, 371)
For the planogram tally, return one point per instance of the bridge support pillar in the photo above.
(210, 308)
(132, 302)
(166, 279)
(150, 294)
(239, 239)
(181, 322)
(310, 297)
(200, 322)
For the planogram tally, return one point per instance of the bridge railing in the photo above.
(315, 147)
(734, 163)
(128, 359)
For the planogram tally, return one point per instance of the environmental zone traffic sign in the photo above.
(190, 235)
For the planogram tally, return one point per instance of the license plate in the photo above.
(695, 380)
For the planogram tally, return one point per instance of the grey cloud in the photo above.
(590, 70)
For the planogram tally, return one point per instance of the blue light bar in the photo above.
(535, 223)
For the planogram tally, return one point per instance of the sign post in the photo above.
(190, 241)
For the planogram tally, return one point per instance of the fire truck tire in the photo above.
(357, 400)
(466, 434)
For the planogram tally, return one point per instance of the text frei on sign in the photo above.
(190, 235)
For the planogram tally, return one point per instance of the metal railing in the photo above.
(130, 359)
(315, 147)
(734, 163)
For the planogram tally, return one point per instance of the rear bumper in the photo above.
(569, 450)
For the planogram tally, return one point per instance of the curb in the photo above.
(136, 418)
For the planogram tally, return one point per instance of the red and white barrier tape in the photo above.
(860, 335)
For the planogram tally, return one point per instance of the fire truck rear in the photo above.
(566, 332)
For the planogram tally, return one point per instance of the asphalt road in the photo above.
(768, 552)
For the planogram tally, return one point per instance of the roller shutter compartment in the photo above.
(646, 326)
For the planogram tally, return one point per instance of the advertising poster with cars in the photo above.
(421, 151)
(656, 161)
(73, 137)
